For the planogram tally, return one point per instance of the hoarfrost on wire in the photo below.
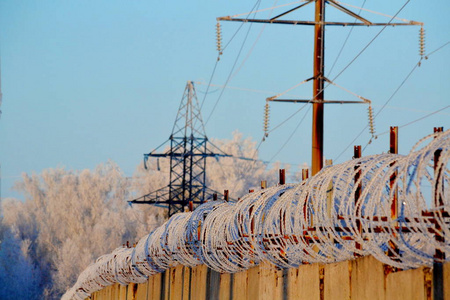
(343, 211)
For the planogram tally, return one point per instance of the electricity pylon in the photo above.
(188, 152)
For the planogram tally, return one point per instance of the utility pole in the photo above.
(318, 100)
(318, 84)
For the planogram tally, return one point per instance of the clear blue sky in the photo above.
(88, 81)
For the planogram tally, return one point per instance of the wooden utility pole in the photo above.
(318, 84)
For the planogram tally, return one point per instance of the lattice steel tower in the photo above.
(188, 152)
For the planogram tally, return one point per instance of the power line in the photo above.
(292, 134)
(288, 118)
(339, 74)
(218, 58)
(371, 41)
(431, 53)
(232, 69)
(347, 66)
(345, 42)
(254, 44)
(419, 119)
(209, 84)
(392, 96)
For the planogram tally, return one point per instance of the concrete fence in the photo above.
(363, 278)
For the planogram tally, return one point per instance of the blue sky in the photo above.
(88, 81)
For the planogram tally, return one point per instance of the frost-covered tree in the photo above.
(70, 218)
(238, 175)
(147, 180)
(19, 277)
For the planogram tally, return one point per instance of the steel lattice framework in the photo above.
(188, 152)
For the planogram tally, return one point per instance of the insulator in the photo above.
(266, 119)
(371, 123)
(219, 38)
(422, 42)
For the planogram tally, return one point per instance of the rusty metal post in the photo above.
(282, 177)
(318, 84)
(214, 196)
(393, 149)
(438, 201)
(439, 256)
(357, 154)
(305, 174)
(225, 195)
(263, 184)
(191, 206)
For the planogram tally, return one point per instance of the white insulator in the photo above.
(371, 120)
(219, 38)
(266, 119)
(422, 42)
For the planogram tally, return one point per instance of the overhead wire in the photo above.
(301, 121)
(340, 73)
(379, 111)
(238, 88)
(269, 8)
(301, 108)
(370, 42)
(345, 42)
(232, 69)
(439, 48)
(291, 135)
(218, 57)
(209, 84)
(391, 97)
(409, 109)
(253, 46)
(356, 57)
(243, 62)
(347, 66)
(417, 120)
(374, 12)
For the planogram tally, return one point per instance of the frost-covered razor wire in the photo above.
(391, 206)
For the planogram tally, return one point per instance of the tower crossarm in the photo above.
(313, 23)
(359, 21)
(160, 197)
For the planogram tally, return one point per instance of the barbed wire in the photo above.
(344, 211)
